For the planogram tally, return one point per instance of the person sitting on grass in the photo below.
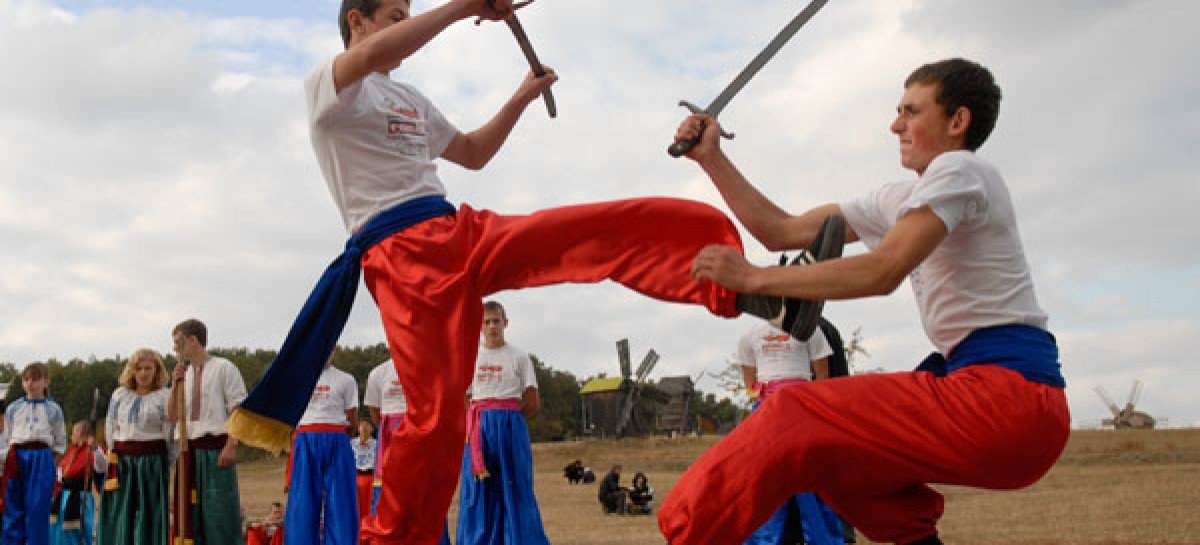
(641, 496)
(611, 494)
(574, 472)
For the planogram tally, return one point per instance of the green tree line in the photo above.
(73, 382)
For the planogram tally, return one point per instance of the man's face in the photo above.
(923, 127)
(389, 13)
(180, 343)
(493, 326)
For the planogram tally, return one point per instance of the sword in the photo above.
(535, 65)
(518, 32)
(678, 149)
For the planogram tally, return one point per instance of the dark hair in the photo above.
(35, 371)
(963, 83)
(192, 327)
(365, 7)
(639, 475)
(492, 306)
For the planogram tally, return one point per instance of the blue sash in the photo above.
(284, 391)
(1025, 349)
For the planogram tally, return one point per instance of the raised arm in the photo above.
(775, 228)
(473, 150)
(392, 36)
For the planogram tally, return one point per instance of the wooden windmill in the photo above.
(1127, 416)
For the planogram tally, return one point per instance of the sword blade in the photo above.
(763, 56)
(534, 64)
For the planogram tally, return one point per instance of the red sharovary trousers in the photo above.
(868, 444)
(429, 282)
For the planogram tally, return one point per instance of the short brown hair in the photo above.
(192, 327)
(35, 371)
(492, 306)
(962, 83)
(365, 7)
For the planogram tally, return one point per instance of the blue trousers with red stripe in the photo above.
(500, 509)
(27, 498)
(322, 488)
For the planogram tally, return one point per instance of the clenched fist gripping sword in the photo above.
(678, 149)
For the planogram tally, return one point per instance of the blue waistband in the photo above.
(285, 388)
(1028, 350)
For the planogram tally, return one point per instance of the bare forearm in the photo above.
(762, 217)
(847, 278)
(483, 143)
(749, 376)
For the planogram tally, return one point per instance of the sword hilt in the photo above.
(680, 147)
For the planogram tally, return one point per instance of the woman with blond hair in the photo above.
(134, 505)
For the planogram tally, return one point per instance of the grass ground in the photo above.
(1109, 488)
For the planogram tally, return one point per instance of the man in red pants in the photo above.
(988, 410)
(428, 264)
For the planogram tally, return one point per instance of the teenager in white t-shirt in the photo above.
(988, 410)
(496, 502)
(429, 264)
(322, 502)
(772, 359)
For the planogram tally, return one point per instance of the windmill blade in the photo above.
(623, 357)
(1112, 405)
(1135, 394)
(647, 365)
(626, 415)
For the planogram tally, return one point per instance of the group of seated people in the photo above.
(636, 499)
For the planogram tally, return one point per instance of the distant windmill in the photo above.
(611, 406)
(634, 393)
(1127, 417)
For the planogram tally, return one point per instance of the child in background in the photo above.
(33, 432)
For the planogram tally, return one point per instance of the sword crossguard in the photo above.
(680, 148)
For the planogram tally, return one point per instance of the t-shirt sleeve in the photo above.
(745, 351)
(324, 102)
(952, 189)
(350, 393)
(372, 397)
(439, 129)
(528, 375)
(866, 216)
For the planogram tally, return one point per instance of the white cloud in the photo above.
(155, 165)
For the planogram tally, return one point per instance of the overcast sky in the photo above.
(155, 165)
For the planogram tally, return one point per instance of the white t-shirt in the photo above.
(221, 390)
(375, 142)
(977, 277)
(778, 355)
(133, 417)
(384, 391)
(334, 394)
(502, 373)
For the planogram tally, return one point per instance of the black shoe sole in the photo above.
(800, 315)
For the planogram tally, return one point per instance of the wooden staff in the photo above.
(184, 504)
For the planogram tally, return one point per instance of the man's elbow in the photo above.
(886, 280)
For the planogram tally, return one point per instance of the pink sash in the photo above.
(774, 386)
(474, 438)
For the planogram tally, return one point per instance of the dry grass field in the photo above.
(1110, 487)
